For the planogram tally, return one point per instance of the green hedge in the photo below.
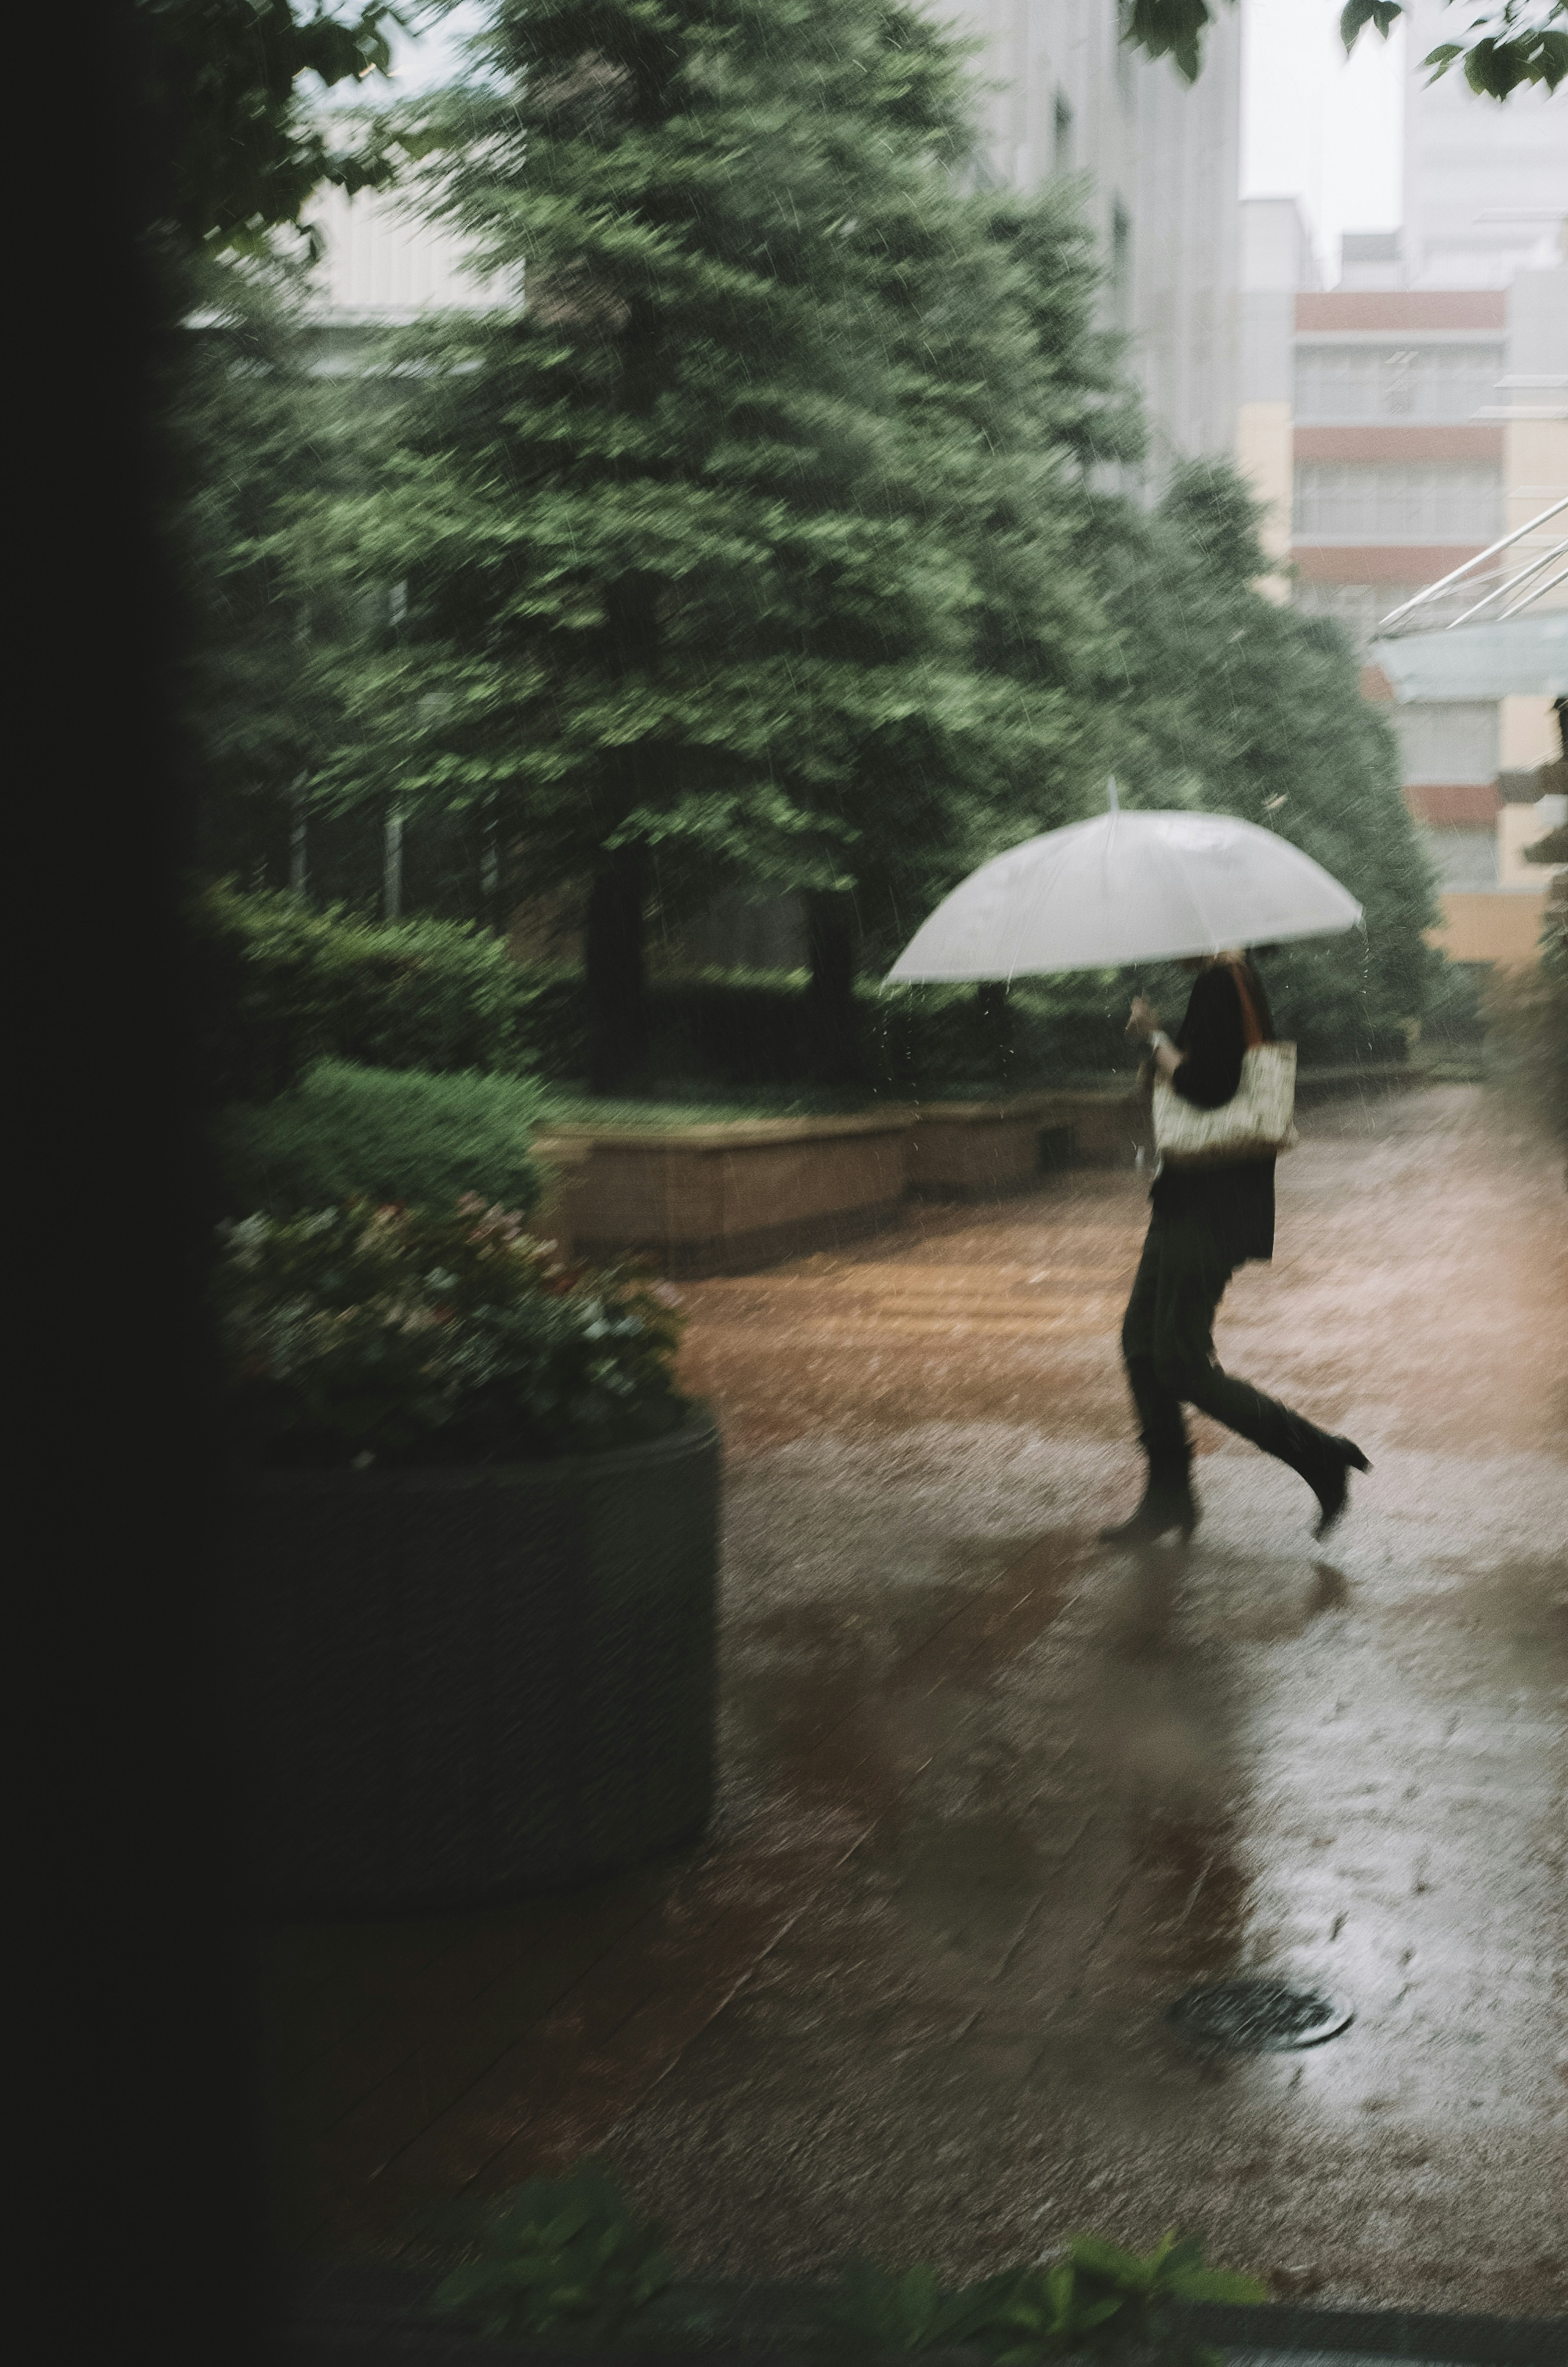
(286, 985)
(740, 1031)
(755, 1029)
(1455, 1019)
(389, 1133)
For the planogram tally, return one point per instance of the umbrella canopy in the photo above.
(1126, 887)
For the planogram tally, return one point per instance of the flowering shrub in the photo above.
(402, 1336)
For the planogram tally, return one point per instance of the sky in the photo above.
(1318, 126)
(1314, 125)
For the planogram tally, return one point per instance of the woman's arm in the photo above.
(1144, 1022)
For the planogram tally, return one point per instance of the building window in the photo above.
(1346, 384)
(1062, 134)
(1465, 860)
(1447, 741)
(1397, 501)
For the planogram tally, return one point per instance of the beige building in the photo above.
(1395, 433)
(1400, 423)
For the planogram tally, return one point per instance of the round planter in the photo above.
(470, 1686)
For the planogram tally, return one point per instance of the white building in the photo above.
(1485, 186)
(1161, 163)
(1157, 162)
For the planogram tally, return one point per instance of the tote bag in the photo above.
(1256, 1123)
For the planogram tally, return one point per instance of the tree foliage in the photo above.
(734, 550)
(258, 432)
(768, 541)
(1244, 707)
(222, 102)
(1516, 42)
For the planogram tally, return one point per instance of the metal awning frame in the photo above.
(1430, 591)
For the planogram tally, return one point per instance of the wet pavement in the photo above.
(994, 1796)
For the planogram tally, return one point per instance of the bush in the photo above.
(1455, 1015)
(563, 2260)
(551, 1023)
(1526, 1035)
(389, 1134)
(288, 985)
(738, 1030)
(409, 1337)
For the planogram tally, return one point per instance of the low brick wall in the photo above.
(1108, 1123)
(987, 1149)
(718, 1199)
(729, 1198)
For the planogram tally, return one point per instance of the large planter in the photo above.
(470, 1686)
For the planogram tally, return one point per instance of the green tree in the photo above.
(1248, 707)
(224, 151)
(258, 430)
(1009, 398)
(686, 595)
(222, 104)
(1021, 404)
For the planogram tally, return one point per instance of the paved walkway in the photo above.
(995, 1795)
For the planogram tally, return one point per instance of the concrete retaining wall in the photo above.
(716, 1199)
(729, 1198)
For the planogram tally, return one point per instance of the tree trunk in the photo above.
(837, 1057)
(615, 949)
(615, 983)
(993, 1014)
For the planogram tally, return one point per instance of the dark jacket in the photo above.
(1235, 1203)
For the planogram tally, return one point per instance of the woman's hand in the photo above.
(1144, 1020)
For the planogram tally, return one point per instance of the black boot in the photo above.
(1324, 1461)
(1325, 1464)
(1168, 1505)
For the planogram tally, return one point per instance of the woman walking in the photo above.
(1206, 1221)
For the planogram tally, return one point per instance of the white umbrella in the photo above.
(1123, 889)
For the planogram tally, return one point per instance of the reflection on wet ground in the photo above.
(994, 1796)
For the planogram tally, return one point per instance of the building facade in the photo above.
(1396, 432)
(1157, 165)
(1485, 186)
(1158, 162)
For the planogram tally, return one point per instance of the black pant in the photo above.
(1169, 1348)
